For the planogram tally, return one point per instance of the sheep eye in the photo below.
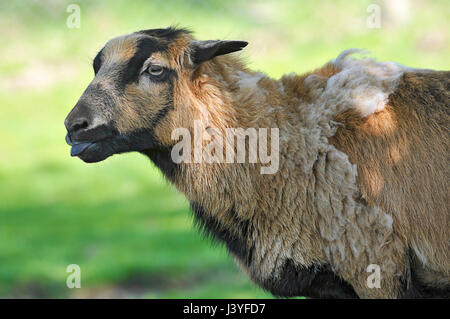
(155, 70)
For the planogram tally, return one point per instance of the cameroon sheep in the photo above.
(363, 177)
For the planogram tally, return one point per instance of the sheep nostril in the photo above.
(78, 125)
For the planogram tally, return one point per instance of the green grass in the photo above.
(128, 229)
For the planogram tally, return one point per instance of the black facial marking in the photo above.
(314, 282)
(237, 245)
(98, 61)
(157, 41)
(145, 47)
(159, 154)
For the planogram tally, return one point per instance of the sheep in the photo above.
(362, 182)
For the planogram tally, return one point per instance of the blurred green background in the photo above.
(128, 229)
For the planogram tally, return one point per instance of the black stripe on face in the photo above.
(144, 48)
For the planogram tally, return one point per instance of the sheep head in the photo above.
(144, 87)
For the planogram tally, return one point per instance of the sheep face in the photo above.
(136, 97)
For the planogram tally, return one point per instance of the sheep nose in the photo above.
(77, 124)
(81, 119)
(83, 124)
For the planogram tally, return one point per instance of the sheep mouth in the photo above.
(99, 150)
(90, 151)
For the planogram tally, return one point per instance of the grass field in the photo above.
(128, 229)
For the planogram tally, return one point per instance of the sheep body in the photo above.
(363, 177)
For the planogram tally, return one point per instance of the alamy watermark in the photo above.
(74, 279)
(374, 19)
(374, 280)
(213, 146)
(74, 19)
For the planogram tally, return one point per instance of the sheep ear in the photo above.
(206, 50)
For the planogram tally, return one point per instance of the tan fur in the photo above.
(160, 59)
(123, 49)
(136, 111)
(402, 159)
